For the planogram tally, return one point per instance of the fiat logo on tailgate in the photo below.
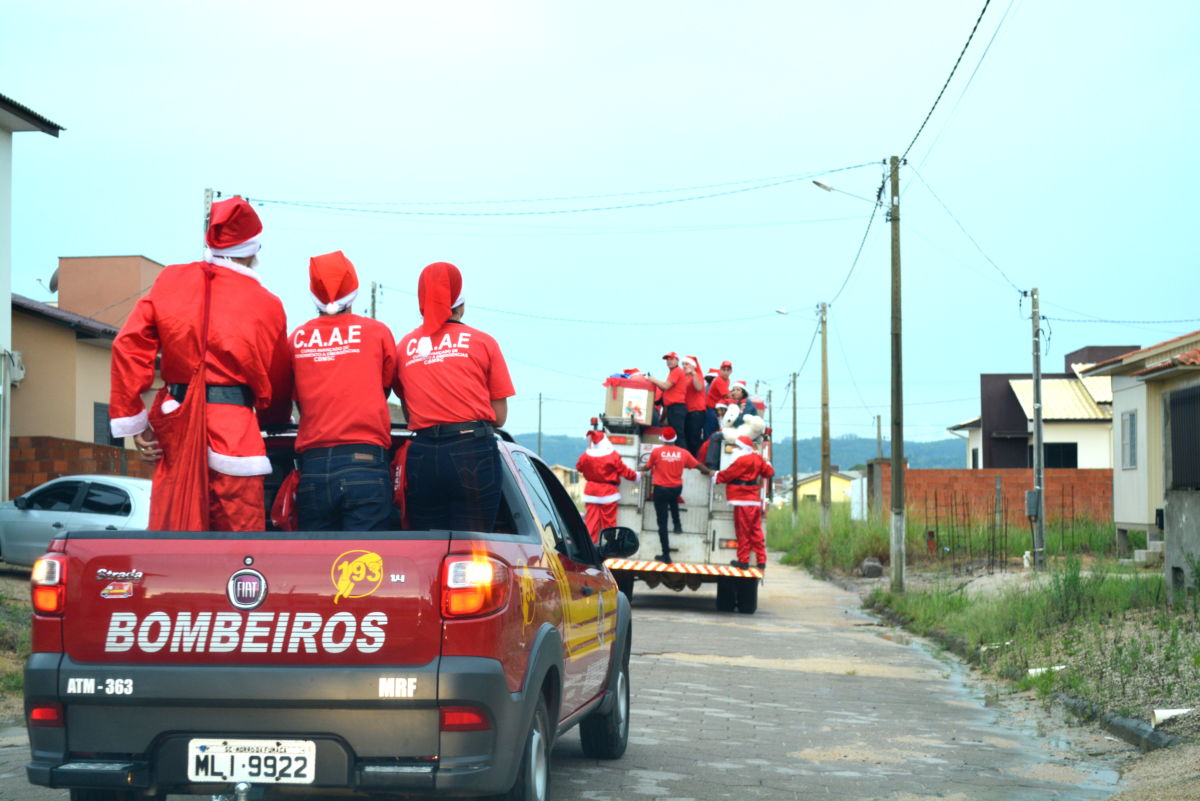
(247, 589)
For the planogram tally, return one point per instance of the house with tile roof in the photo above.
(1156, 444)
(1076, 416)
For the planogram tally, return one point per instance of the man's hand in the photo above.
(148, 446)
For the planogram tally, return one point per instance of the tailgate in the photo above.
(302, 598)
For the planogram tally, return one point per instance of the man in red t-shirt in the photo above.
(454, 386)
(744, 493)
(666, 465)
(601, 465)
(694, 400)
(717, 390)
(343, 366)
(674, 389)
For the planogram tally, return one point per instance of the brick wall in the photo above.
(971, 494)
(36, 460)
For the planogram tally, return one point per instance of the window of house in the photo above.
(1129, 440)
(1061, 454)
(974, 458)
(1184, 409)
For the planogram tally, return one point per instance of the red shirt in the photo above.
(695, 397)
(667, 463)
(717, 390)
(456, 382)
(678, 391)
(343, 367)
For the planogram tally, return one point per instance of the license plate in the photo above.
(255, 761)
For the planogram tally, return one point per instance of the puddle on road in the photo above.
(835, 667)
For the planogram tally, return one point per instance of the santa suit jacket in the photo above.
(247, 344)
(743, 477)
(603, 474)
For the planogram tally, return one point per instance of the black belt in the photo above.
(355, 449)
(236, 395)
(480, 428)
(609, 483)
(745, 483)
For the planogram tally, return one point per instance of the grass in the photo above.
(847, 542)
(14, 644)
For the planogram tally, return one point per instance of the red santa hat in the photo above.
(233, 229)
(668, 434)
(600, 445)
(439, 289)
(739, 385)
(332, 282)
(745, 443)
(712, 371)
(595, 436)
(692, 360)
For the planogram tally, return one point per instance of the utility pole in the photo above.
(795, 489)
(208, 199)
(539, 450)
(824, 422)
(1039, 462)
(771, 428)
(374, 292)
(897, 540)
(878, 436)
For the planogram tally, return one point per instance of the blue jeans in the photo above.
(344, 488)
(453, 482)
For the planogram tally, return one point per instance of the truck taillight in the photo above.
(49, 713)
(463, 718)
(48, 584)
(472, 585)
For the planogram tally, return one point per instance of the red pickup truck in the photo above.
(400, 662)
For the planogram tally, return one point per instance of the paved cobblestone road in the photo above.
(808, 699)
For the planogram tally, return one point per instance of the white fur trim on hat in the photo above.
(242, 249)
(601, 448)
(130, 426)
(333, 307)
(688, 360)
(239, 465)
(460, 300)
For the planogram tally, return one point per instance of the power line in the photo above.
(849, 371)
(361, 209)
(962, 228)
(531, 316)
(1121, 322)
(967, 86)
(948, 79)
(862, 244)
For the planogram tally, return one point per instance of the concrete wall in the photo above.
(1181, 535)
(36, 460)
(92, 363)
(104, 288)
(44, 404)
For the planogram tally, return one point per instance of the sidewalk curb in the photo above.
(1134, 732)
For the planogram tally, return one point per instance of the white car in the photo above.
(82, 503)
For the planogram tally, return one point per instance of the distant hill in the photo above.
(845, 452)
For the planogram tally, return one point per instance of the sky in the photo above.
(624, 179)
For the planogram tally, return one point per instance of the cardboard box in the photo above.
(629, 398)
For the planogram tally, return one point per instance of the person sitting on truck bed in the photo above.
(744, 493)
(454, 386)
(741, 399)
(666, 465)
(343, 367)
(601, 465)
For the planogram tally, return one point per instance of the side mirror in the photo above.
(21, 502)
(618, 542)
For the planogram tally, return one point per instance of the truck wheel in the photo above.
(605, 736)
(747, 596)
(726, 595)
(625, 585)
(101, 795)
(533, 778)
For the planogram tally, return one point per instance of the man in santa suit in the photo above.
(666, 465)
(344, 366)
(247, 370)
(454, 385)
(602, 467)
(744, 479)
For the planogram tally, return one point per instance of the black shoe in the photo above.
(742, 565)
(678, 530)
(762, 569)
(665, 558)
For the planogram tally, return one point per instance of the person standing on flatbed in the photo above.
(454, 386)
